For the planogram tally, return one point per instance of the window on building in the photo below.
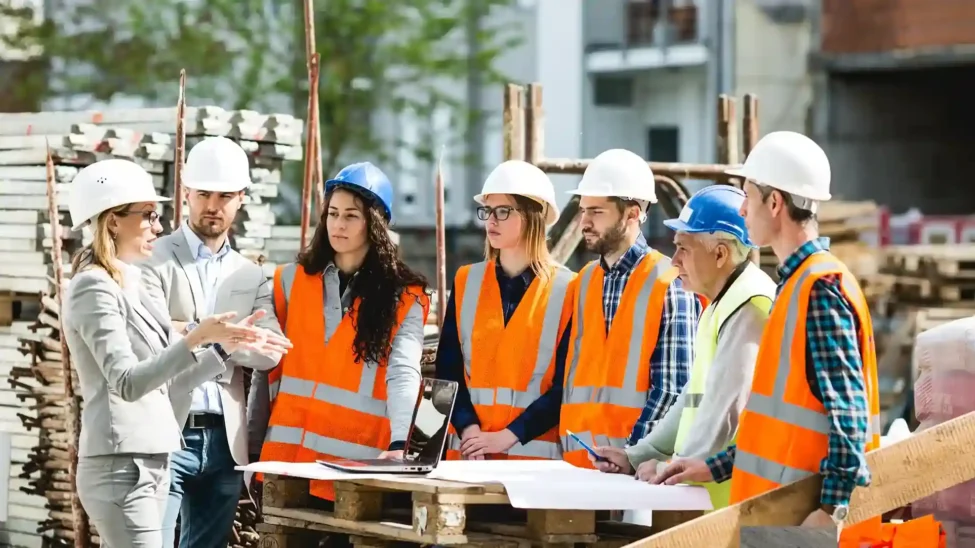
(612, 91)
(663, 145)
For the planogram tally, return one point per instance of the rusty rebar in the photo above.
(180, 151)
(441, 243)
(79, 519)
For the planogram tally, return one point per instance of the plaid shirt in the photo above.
(834, 368)
(670, 363)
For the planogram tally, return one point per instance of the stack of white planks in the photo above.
(39, 492)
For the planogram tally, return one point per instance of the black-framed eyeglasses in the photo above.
(500, 213)
(151, 216)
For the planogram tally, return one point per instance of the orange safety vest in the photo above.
(607, 380)
(526, 348)
(324, 405)
(783, 431)
(923, 532)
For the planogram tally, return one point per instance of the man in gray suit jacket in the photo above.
(196, 273)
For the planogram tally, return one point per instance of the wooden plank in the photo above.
(920, 466)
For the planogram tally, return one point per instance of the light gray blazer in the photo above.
(126, 372)
(242, 288)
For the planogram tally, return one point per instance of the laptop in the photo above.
(426, 440)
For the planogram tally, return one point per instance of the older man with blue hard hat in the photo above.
(712, 259)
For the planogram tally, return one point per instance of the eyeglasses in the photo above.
(151, 216)
(500, 213)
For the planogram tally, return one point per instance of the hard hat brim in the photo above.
(362, 192)
(157, 198)
(678, 225)
(207, 186)
(744, 174)
(597, 194)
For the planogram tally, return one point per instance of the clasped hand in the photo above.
(475, 444)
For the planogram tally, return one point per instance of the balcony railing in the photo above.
(645, 20)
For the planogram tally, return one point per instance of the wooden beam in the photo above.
(714, 172)
(513, 124)
(920, 466)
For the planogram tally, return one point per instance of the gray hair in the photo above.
(739, 251)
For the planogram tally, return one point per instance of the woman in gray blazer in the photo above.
(128, 358)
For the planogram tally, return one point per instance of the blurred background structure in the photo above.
(882, 85)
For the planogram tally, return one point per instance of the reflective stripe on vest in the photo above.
(527, 343)
(765, 410)
(607, 379)
(754, 286)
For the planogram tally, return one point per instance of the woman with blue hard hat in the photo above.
(355, 313)
(712, 259)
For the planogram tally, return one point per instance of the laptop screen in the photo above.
(431, 416)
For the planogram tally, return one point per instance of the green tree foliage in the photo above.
(377, 55)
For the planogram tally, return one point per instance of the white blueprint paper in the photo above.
(555, 485)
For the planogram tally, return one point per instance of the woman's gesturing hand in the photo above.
(217, 329)
(268, 343)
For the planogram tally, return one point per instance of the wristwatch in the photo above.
(190, 326)
(838, 513)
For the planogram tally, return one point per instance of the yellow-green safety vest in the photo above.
(754, 286)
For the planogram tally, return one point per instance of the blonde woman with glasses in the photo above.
(504, 338)
(128, 358)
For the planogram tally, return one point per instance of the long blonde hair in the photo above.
(533, 237)
(101, 252)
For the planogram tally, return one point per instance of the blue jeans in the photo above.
(203, 492)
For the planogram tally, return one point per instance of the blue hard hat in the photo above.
(713, 209)
(368, 181)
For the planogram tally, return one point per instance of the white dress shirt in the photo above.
(206, 397)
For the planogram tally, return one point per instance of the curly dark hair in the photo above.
(379, 283)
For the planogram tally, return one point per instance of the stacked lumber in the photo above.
(25, 510)
(78, 139)
(145, 135)
(932, 275)
(25, 232)
(925, 286)
(244, 533)
(50, 414)
(849, 226)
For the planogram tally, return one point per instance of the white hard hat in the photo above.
(108, 184)
(790, 162)
(217, 164)
(620, 173)
(523, 179)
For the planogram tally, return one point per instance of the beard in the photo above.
(208, 228)
(609, 241)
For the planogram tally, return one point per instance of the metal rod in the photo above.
(441, 243)
(180, 151)
(79, 520)
(316, 127)
(714, 172)
(310, 122)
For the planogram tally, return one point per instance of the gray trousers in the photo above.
(125, 497)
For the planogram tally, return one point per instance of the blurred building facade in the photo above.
(891, 107)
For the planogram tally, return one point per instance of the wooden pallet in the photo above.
(417, 511)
